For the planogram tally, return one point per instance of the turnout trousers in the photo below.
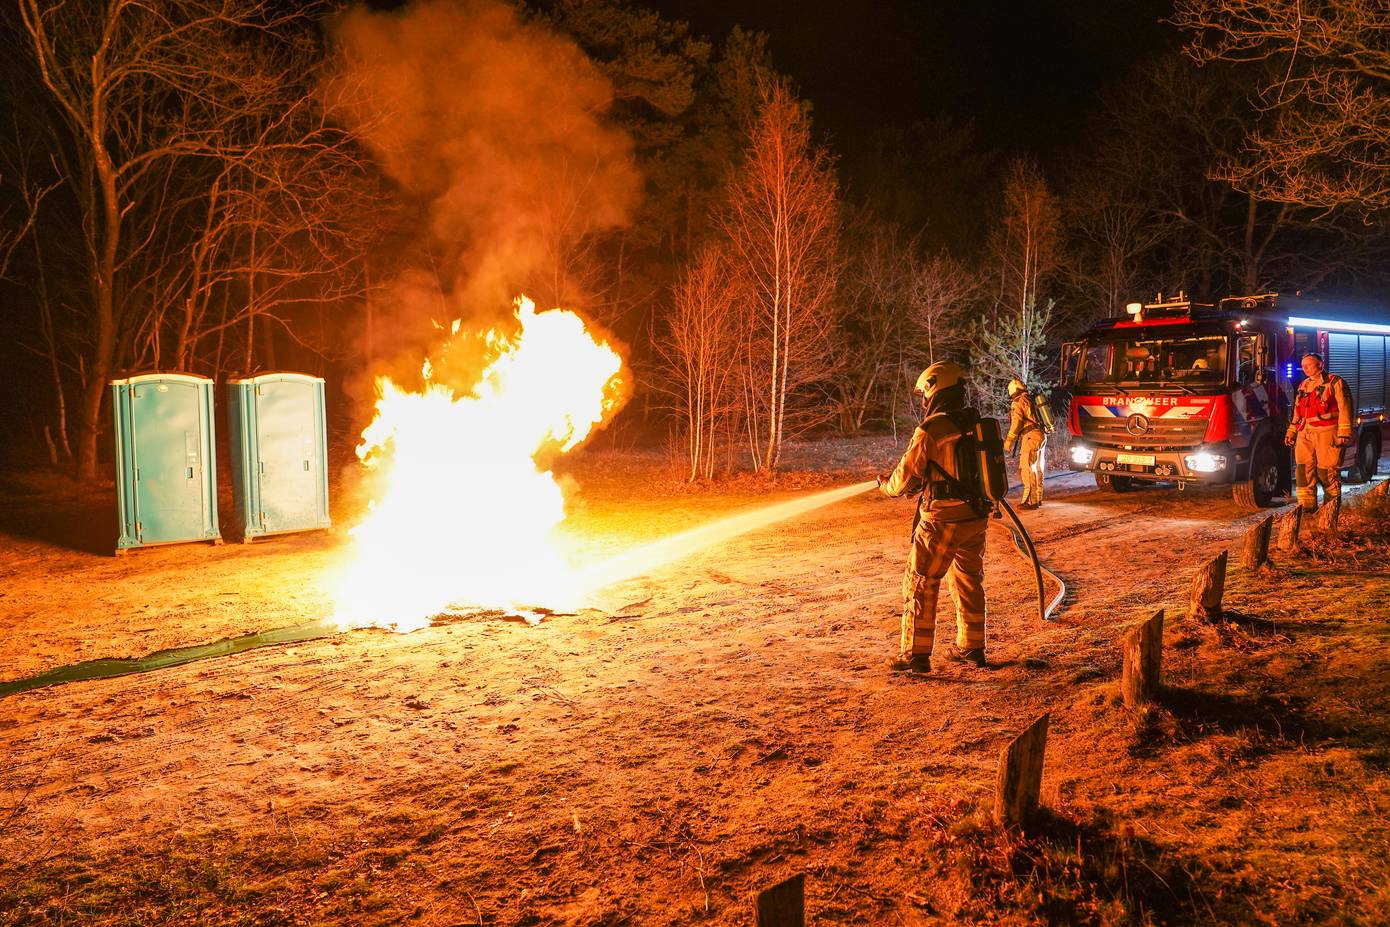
(1318, 460)
(1030, 466)
(951, 550)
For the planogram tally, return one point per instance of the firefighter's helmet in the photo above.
(939, 376)
(1016, 386)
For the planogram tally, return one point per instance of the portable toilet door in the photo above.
(166, 465)
(279, 454)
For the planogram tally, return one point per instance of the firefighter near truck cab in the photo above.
(1188, 392)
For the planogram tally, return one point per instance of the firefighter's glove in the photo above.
(881, 480)
(1290, 437)
(1342, 441)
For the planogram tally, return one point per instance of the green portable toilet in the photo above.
(166, 468)
(279, 454)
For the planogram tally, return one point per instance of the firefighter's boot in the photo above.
(973, 656)
(919, 663)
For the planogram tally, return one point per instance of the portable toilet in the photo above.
(279, 454)
(166, 465)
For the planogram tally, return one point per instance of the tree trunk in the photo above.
(51, 344)
(104, 285)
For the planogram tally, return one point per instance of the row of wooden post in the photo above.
(1019, 780)
(1018, 783)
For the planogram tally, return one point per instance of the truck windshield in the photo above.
(1188, 361)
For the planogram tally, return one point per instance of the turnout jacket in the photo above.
(1023, 418)
(1322, 402)
(933, 441)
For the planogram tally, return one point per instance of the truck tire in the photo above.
(1110, 482)
(1367, 460)
(1262, 485)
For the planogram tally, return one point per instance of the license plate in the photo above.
(1142, 460)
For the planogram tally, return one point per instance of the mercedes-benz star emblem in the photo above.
(1137, 424)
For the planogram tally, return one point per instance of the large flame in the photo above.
(466, 514)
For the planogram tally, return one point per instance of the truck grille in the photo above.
(1162, 433)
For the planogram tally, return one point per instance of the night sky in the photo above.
(1023, 70)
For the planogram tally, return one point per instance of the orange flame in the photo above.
(466, 515)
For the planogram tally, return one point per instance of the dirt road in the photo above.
(703, 732)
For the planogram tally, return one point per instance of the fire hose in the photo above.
(1023, 545)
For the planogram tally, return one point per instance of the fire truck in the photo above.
(1189, 392)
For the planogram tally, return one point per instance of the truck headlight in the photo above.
(1203, 462)
(1081, 454)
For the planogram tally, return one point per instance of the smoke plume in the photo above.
(492, 127)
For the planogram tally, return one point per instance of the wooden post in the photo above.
(1329, 513)
(1288, 529)
(1020, 776)
(1207, 588)
(1256, 553)
(783, 905)
(1143, 659)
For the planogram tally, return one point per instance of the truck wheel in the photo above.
(1367, 460)
(1263, 484)
(1112, 483)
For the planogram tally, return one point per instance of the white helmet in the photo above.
(939, 376)
(1016, 386)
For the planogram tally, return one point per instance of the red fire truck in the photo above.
(1189, 392)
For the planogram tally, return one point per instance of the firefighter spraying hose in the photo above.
(955, 464)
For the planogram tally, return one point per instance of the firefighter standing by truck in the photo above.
(1319, 430)
(948, 539)
(1029, 427)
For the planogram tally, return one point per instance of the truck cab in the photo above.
(1189, 392)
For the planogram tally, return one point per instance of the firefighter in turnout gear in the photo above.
(1318, 431)
(1026, 427)
(948, 538)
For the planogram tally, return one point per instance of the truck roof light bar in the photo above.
(1369, 328)
(1250, 302)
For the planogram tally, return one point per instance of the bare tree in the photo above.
(144, 96)
(1110, 235)
(876, 293)
(1147, 217)
(782, 223)
(1324, 96)
(1025, 247)
(939, 290)
(701, 357)
(904, 308)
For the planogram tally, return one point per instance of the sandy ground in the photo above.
(706, 731)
